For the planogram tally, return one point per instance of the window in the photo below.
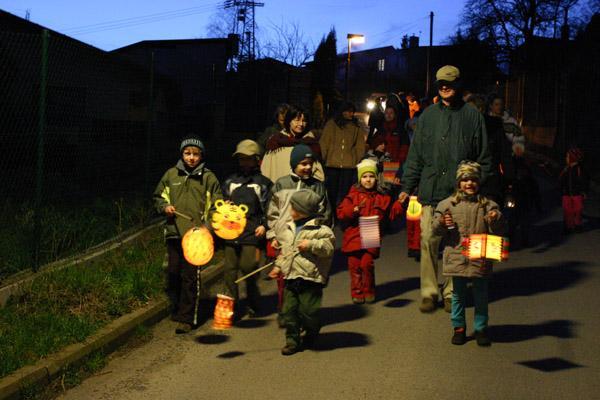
(381, 65)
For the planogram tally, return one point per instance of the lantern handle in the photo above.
(183, 216)
(256, 271)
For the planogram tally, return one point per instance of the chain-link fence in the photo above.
(84, 140)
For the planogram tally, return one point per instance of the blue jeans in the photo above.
(459, 300)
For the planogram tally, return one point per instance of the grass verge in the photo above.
(66, 306)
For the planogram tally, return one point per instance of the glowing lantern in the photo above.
(483, 246)
(413, 212)
(198, 246)
(229, 220)
(223, 317)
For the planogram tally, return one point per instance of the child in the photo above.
(306, 253)
(456, 217)
(247, 186)
(301, 161)
(364, 199)
(573, 184)
(190, 188)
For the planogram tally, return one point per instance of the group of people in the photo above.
(309, 181)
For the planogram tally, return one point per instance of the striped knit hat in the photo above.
(468, 169)
(192, 141)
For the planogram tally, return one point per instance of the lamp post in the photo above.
(356, 38)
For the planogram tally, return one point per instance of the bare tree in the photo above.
(507, 24)
(286, 42)
(221, 23)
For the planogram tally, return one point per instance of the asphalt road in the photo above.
(544, 321)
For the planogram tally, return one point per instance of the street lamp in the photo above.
(352, 38)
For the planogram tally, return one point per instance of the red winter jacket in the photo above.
(371, 202)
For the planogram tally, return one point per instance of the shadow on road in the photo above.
(251, 323)
(212, 339)
(563, 329)
(528, 281)
(397, 303)
(547, 236)
(343, 313)
(391, 289)
(552, 364)
(328, 341)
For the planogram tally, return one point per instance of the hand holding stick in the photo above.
(256, 271)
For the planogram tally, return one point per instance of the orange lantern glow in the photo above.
(413, 212)
(229, 220)
(223, 317)
(198, 246)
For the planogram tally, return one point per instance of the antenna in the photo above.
(244, 27)
(28, 14)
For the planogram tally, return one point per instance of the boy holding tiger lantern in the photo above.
(246, 187)
(457, 217)
(187, 189)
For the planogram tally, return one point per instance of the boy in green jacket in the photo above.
(190, 189)
(306, 253)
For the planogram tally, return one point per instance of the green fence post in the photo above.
(39, 181)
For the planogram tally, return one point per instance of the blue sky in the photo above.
(382, 22)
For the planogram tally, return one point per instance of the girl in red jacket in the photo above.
(364, 199)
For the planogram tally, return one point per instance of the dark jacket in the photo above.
(192, 193)
(253, 191)
(444, 137)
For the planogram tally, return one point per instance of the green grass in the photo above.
(67, 306)
(65, 229)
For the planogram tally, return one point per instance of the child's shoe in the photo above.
(427, 305)
(460, 336)
(482, 338)
(370, 299)
(289, 349)
(358, 300)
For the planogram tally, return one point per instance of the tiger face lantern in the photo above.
(229, 220)
(198, 246)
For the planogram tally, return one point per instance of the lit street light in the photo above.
(352, 38)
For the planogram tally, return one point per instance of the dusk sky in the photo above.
(382, 22)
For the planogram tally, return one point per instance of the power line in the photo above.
(140, 20)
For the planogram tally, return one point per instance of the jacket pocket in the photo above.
(455, 263)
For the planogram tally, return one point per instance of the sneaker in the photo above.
(427, 305)
(358, 300)
(460, 336)
(370, 299)
(482, 338)
(289, 349)
(448, 305)
(183, 328)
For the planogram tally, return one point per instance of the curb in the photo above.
(107, 339)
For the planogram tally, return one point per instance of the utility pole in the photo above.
(429, 54)
(245, 27)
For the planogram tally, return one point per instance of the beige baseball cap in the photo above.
(247, 147)
(448, 73)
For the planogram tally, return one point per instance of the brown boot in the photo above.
(427, 305)
(448, 304)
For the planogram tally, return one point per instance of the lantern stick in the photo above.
(183, 215)
(197, 296)
(256, 271)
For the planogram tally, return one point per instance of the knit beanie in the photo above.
(306, 202)
(366, 165)
(299, 153)
(468, 169)
(192, 141)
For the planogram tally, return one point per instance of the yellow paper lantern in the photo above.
(413, 213)
(229, 220)
(198, 246)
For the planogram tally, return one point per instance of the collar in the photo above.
(197, 171)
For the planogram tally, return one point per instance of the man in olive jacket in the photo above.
(447, 133)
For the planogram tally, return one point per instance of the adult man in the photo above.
(447, 133)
